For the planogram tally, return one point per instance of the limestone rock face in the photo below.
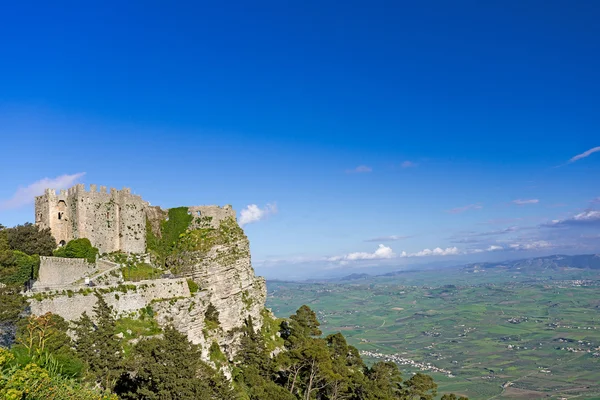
(213, 252)
(226, 280)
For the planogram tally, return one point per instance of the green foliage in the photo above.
(16, 267)
(98, 346)
(139, 272)
(270, 331)
(40, 338)
(171, 229)
(193, 286)
(215, 354)
(32, 382)
(29, 239)
(12, 304)
(78, 248)
(211, 317)
(203, 239)
(170, 368)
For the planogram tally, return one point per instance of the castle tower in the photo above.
(52, 211)
(112, 221)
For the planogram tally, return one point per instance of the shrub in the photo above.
(78, 248)
(193, 286)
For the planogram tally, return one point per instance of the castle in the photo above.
(117, 220)
(113, 220)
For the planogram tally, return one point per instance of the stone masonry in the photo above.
(112, 220)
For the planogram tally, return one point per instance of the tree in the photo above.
(30, 239)
(420, 387)
(3, 238)
(78, 248)
(97, 344)
(383, 381)
(16, 267)
(170, 368)
(12, 306)
(304, 323)
(452, 396)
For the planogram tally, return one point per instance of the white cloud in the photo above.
(494, 248)
(589, 217)
(585, 154)
(391, 238)
(408, 164)
(253, 213)
(383, 252)
(459, 210)
(25, 195)
(438, 251)
(537, 245)
(522, 202)
(360, 169)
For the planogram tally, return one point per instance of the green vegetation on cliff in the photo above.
(171, 228)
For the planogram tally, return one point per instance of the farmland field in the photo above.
(485, 334)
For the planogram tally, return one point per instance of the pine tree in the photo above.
(98, 345)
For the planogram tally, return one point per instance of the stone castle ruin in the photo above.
(117, 222)
(112, 220)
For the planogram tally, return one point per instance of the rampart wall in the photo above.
(56, 271)
(132, 297)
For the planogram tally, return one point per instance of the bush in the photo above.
(16, 267)
(139, 272)
(193, 286)
(78, 248)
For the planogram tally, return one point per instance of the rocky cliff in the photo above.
(212, 294)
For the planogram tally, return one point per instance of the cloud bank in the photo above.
(252, 213)
(383, 252)
(586, 218)
(25, 195)
(438, 251)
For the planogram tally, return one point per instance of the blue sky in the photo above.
(366, 136)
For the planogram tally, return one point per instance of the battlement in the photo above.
(80, 190)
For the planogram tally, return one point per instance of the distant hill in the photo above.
(559, 261)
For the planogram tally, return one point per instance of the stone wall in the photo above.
(131, 297)
(216, 214)
(57, 271)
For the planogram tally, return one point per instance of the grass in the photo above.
(139, 272)
(468, 332)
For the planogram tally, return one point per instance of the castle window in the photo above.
(60, 214)
(62, 243)
(198, 213)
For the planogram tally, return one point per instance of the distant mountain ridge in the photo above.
(582, 261)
